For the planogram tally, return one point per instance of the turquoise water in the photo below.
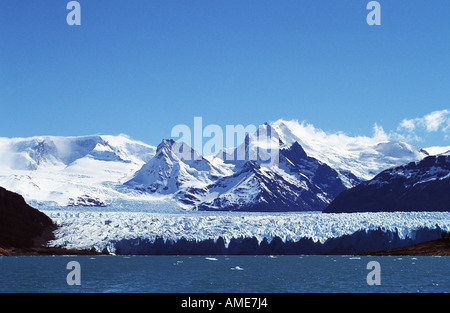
(227, 274)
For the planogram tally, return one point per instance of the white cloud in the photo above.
(436, 120)
(409, 125)
(379, 134)
(432, 122)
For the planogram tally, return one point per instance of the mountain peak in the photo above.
(261, 146)
(416, 186)
(295, 151)
(250, 166)
(177, 150)
(363, 156)
(165, 143)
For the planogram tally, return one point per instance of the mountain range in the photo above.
(417, 186)
(310, 169)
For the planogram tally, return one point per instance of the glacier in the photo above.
(198, 232)
(122, 196)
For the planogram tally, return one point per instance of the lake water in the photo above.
(224, 274)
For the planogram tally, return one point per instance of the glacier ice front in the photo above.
(126, 232)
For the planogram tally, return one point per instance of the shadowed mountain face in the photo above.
(417, 186)
(296, 183)
(19, 223)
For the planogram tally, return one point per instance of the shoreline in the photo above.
(438, 247)
(45, 251)
(40, 248)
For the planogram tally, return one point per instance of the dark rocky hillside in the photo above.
(417, 186)
(20, 224)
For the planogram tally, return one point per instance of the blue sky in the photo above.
(142, 67)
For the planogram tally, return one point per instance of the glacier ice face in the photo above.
(102, 230)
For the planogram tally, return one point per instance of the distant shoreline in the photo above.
(40, 247)
(438, 247)
(41, 251)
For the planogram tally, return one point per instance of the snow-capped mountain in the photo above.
(261, 146)
(261, 174)
(283, 166)
(174, 167)
(364, 157)
(437, 150)
(70, 170)
(274, 173)
(295, 182)
(417, 186)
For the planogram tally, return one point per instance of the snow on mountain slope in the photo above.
(261, 146)
(295, 166)
(437, 150)
(70, 170)
(295, 182)
(176, 166)
(263, 174)
(362, 156)
(417, 186)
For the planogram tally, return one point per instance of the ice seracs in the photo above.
(130, 232)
